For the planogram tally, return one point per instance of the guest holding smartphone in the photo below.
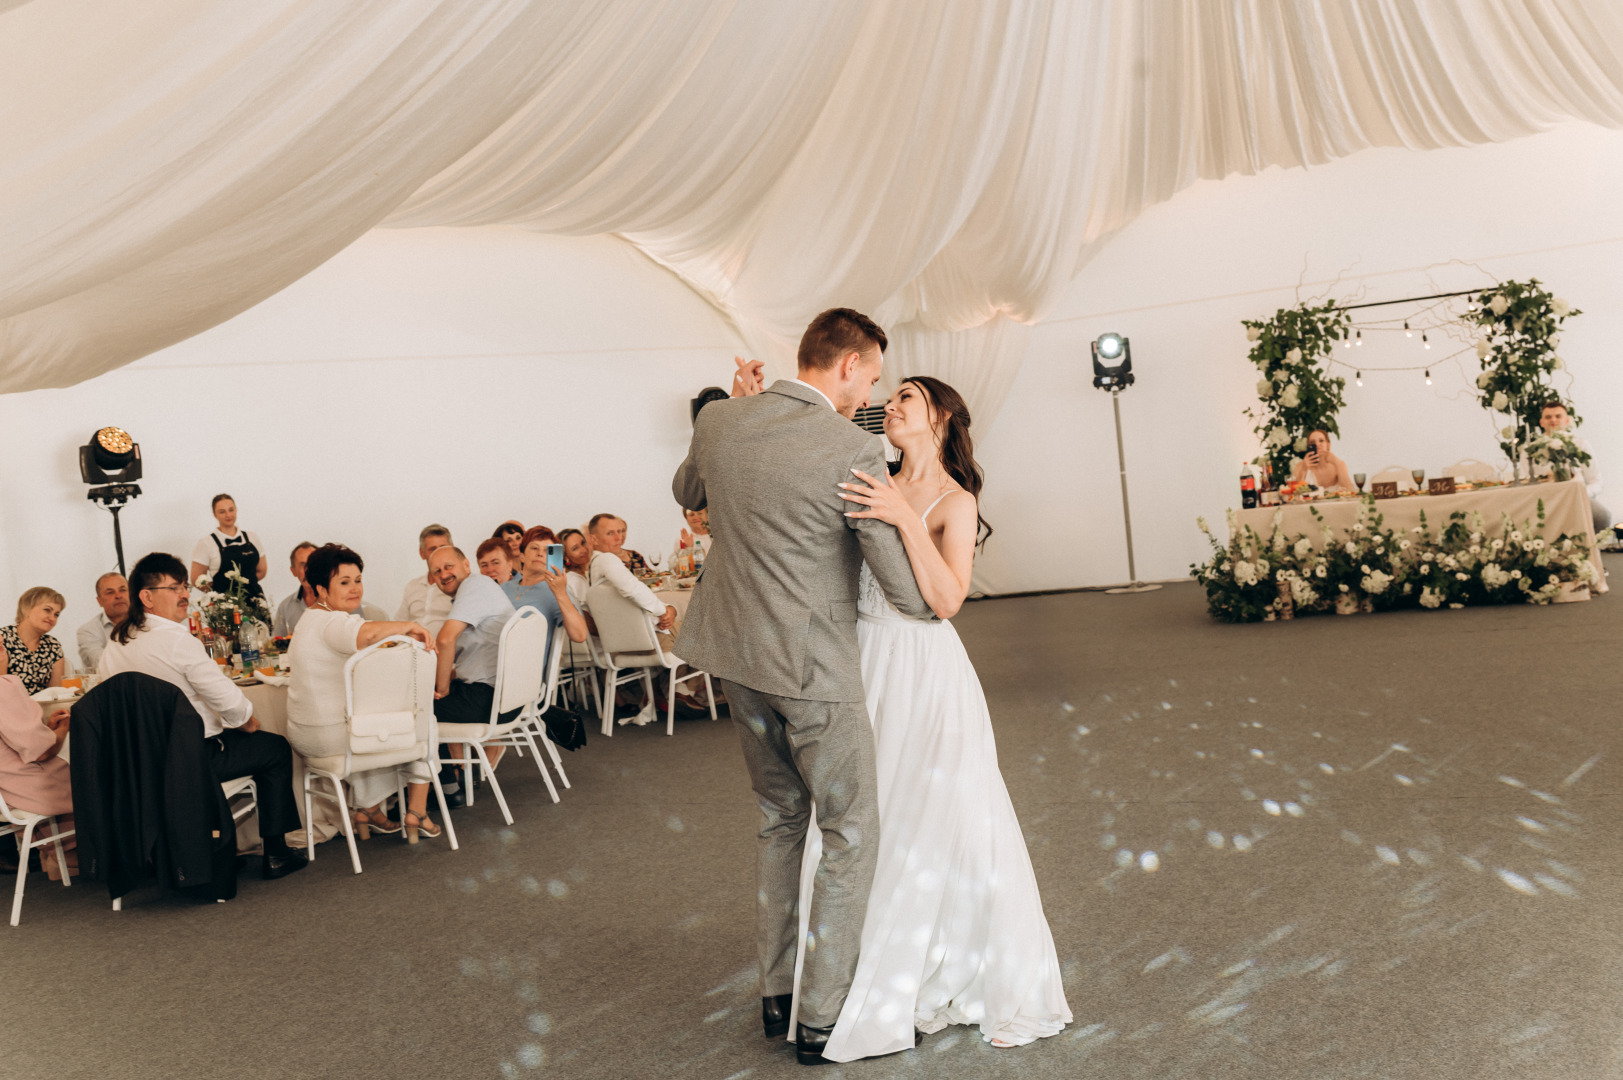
(1320, 467)
(542, 584)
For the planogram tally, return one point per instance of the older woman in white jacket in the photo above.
(329, 633)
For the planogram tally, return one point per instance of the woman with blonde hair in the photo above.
(32, 654)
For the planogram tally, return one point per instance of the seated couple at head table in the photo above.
(527, 580)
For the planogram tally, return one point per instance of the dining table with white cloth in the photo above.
(270, 707)
(1566, 510)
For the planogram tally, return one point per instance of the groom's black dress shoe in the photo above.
(775, 1015)
(809, 1043)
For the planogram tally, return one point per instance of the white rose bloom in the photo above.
(1265, 388)
(1557, 364)
(1279, 436)
(1301, 444)
(1507, 432)
(1483, 380)
(1343, 588)
(1294, 356)
(1515, 536)
(1292, 397)
(1463, 577)
(1376, 583)
(1318, 571)
(1403, 545)
(1555, 341)
(1252, 333)
(1429, 598)
(1425, 568)
(1303, 546)
(1560, 307)
(1500, 401)
(1497, 544)
(1482, 348)
(1350, 548)
(1515, 575)
(1499, 304)
(1538, 543)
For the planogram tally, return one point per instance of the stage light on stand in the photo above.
(112, 460)
(1117, 377)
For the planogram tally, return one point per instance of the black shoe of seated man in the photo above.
(809, 1044)
(775, 1015)
(280, 866)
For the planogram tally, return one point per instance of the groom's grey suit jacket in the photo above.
(776, 610)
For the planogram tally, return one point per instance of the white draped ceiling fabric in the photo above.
(945, 165)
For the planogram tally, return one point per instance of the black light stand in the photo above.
(112, 460)
(1116, 378)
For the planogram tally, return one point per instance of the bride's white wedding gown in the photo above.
(955, 932)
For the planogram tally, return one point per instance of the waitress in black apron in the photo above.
(229, 548)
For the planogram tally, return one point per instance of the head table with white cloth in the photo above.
(1566, 510)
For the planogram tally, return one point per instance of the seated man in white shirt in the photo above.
(424, 602)
(289, 610)
(1555, 417)
(113, 595)
(153, 638)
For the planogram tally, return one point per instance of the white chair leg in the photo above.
(22, 873)
(611, 683)
(670, 702)
(445, 811)
(118, 905)
(495, 786)
(349, 823)
(710, 695)
(61, 855)
(309, 836)
(467, 771)
(552, 751)
(540, 763)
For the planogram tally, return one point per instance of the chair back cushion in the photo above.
(622, 626)
(390, 690)
(521, 666)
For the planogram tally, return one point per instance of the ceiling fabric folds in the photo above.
(945, 166)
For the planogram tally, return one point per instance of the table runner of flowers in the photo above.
(1374, 568)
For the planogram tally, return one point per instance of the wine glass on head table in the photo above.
(1419, 479)
(1359, 478)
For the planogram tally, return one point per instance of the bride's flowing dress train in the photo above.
(955, 931)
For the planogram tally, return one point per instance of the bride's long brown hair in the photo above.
(957, 448)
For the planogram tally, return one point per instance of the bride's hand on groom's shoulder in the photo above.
(750, 378)
(880, 498)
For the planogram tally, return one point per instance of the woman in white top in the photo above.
(330, 632)
(1320, 467)
(227, 548)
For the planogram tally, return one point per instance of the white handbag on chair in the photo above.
(376, 733)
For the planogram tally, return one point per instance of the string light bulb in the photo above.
(1360, 378)
(1428, 376)
(1425, 341)
(1406, 331)
(1360, 339)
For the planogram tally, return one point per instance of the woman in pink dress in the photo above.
(32, 775)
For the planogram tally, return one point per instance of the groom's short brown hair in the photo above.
(836, 332)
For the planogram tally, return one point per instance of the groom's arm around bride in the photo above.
(775, 618)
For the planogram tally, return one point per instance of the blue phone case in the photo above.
(555, 558)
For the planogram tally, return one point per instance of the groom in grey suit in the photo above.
(775, 619)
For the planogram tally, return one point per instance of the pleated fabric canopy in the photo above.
(945, 165)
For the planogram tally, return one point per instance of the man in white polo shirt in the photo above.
(424, 602)
(153, 638)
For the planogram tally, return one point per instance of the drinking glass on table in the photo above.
(1359, 478)
(1419, 478)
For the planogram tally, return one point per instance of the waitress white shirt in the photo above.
(206, 553)
(166, 650)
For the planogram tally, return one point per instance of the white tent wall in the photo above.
(453, 375)
(1178, 280)
(466, 375)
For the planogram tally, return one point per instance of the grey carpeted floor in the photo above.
(1387, 846)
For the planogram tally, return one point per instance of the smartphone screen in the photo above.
(555, 558)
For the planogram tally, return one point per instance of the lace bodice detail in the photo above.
(871, 598)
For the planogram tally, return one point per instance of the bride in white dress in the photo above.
(955, 932)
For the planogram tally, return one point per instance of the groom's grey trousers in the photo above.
(799, 752)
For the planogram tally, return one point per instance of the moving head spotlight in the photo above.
(1119, 372)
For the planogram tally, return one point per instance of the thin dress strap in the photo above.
(933, 505)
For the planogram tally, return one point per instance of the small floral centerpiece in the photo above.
(1557, 452)
(225, 613)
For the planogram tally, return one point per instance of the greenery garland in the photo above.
(1298, 395)
(1372, 567)
(1520, 324)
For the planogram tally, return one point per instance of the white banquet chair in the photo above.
(1471, 470)
(630, 644)
(549, 697)
(1403, 476)
(521, 667)
(388, 700)
(13, 821)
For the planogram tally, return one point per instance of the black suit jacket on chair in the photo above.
(145, 801)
